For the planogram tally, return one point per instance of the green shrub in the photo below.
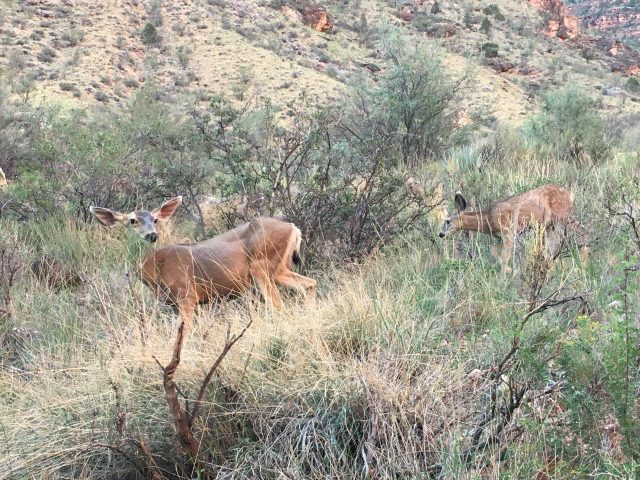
(633, 84)
(570, 127)
(413, 106)
(490, 50)
(495, 11)
(46, 55)
(468, 19)
(485, 26)
(149, 34)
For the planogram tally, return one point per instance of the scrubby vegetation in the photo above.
(418, 360)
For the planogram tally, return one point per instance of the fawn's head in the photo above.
(453, 223)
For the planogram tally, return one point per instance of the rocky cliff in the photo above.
(560, 21)
(613, 17)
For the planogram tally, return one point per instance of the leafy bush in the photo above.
(490, 50)
(495, 11)
(570, 126)
(485, 26)
(149, 34)
(46, 55)
(323, 173)
(633, 84)
(415, 104)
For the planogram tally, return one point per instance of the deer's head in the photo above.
(142, 222)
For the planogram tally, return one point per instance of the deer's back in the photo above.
(545, 205)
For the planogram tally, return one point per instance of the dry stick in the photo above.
(228, 344)
(179, 415)
(516, 397)
(182, 419)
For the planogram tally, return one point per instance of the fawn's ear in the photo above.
(167, 209)
(459, 202)
(107, 217)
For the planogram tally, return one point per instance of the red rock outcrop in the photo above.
(625, 59)
(313, 16)
(317, 18)
(622, 19)
(561, 23)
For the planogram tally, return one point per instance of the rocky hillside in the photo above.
(80, 52)
(618, 18)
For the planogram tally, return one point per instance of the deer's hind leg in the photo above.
(300, 283)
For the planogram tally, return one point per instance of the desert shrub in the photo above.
(120, 161)
(67, 86)
(101, 96)
(435, 8)
(414, 105)
(46, 55)
(633, 84)
(131, 83)
(335, 186)
(494, 11)
(16, 59)
(485, 26)
(490, 50)
(183, 52)
(422, 22)
(178, 28)
(71, 38)
(570, 126)
(155, 12)
(149, 34)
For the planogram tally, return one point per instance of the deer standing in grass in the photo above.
(547, 206)
(185, 275)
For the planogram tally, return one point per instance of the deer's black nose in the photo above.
(441, 235)
(151, 237)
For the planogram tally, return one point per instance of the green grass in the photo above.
(389, 372)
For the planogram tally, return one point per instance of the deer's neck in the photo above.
(479, 222)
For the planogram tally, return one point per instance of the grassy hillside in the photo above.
(419, 358)
(86, 53)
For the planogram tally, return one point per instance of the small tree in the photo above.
(490, 50)
(467, 19)
(485, 26)
(570, 126)
(150, 34)
(435, 8)
(416, 99)
(633, 84)
(587, 54)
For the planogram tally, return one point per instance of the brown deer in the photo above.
(3, 179)
(549, 206)
(186, 275)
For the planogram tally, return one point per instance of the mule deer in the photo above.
(185, 275)
(549, 206)
(3, 179)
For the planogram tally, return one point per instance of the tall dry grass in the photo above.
(390, 374)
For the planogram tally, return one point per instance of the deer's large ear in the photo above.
(107, 217)
(459, 202)
(167, 209)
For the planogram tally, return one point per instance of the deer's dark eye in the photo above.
(132, 221)
(447, 222)
(155, 220)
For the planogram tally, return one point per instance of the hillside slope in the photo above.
(617, 18)
(81, 53)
